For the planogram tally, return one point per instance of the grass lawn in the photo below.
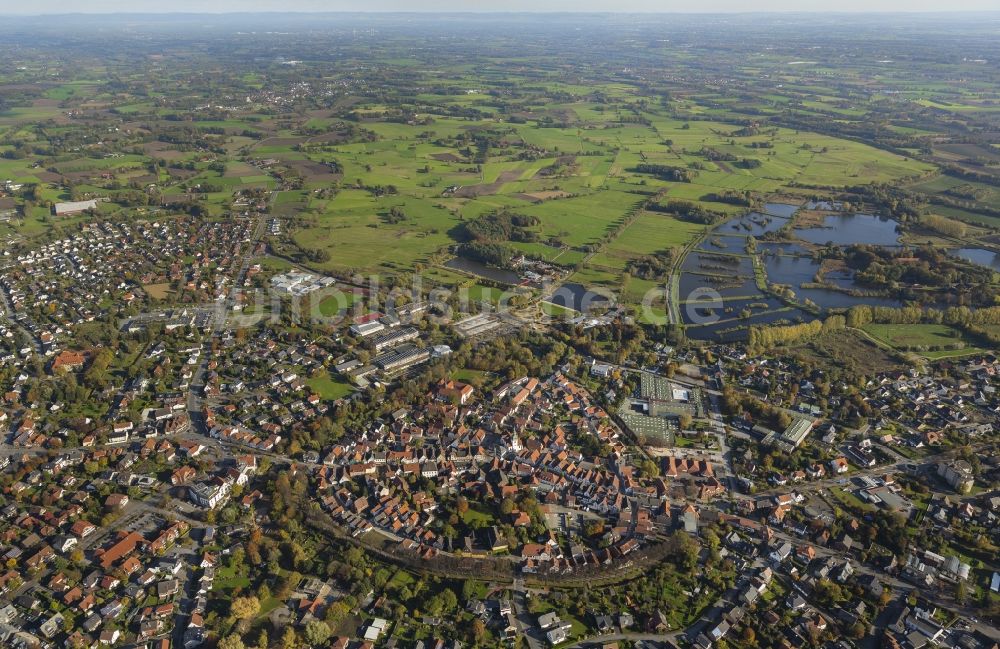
(906, 451)
(849, 500)
(229, 579)
(477, 513)
(329, 388)
(954, 353)
(558, 311)
(400, 579)
(267, 606)
(922, 338)
(467, 375)
(480, 293)
(335, 304)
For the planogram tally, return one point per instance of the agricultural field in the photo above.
(581, 184)
(381, 175)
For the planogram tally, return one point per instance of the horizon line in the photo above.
(473, 12)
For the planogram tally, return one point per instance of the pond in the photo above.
(825, 206)
(733, 330)
(980, 256)
(850, 229)
(694, 285)
(784, 248)
(790, 270)
(708, 262)
(723, 333)
(753, 223)
(727, 242)
(579, 298)
(780, 209)
(482, 270)
(711, 311)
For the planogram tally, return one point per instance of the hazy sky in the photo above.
(703, 6)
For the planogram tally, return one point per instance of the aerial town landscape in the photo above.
(428, 331)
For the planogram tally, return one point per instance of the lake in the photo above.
(981, 256)
(850, 229)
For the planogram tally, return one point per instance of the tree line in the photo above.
(767, 337)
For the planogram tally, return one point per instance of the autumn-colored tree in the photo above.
(478, 630)
(244, 608)
(289, 640)
(317, 632)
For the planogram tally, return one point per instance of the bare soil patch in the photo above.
(282, 141)
(47, 176)
(313, 171)
(335, 137)
(180, 174)
(157, 291)
(81, 175)
(145, 179)
(488, 189)
(163, 150)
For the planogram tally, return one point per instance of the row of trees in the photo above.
(667, 172)
(944, 225)
(960, 316)
(687, 210)
(767, 337)
(744, 198)
(976, 322)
